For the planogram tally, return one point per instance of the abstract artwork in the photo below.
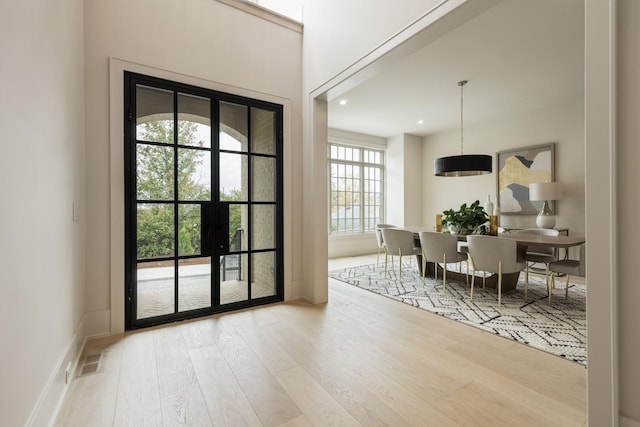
(519, 168)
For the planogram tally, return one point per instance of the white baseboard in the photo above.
(50, 401)
(628, 422)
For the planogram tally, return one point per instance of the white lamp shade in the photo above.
(545, 191)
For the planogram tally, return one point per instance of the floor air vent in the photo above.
(92, 364)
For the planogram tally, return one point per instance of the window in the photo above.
(356, 189)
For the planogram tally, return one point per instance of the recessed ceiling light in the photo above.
(343, 102)
(420, 122)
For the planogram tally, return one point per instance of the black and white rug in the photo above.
(559, 328)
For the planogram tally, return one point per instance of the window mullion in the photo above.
(362, 199)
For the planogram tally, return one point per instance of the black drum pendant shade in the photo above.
(463, 165)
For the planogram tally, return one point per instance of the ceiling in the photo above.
(518, 56)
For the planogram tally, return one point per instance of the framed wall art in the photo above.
(517, 169)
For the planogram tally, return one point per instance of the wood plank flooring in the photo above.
(359, 360)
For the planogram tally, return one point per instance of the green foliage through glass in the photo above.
(155, 181)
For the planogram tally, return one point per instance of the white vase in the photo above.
(488, 206)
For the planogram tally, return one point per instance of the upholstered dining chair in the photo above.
(537, 254)
(570, 267)
(397, 242)
(489, 254)
(440, 248)
(380, 241)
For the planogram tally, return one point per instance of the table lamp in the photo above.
(545, 191)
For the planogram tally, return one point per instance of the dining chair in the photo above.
(489, 254)
(440, 248)
(570, 267)
(380, 241)
(398, 242)
(537, 254)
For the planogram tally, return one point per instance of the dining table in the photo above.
(545, 241)
(509, 281)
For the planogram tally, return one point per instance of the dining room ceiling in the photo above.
(518, 56)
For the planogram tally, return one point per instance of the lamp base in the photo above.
(546, 218)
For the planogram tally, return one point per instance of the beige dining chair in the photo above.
(380, 241)
(537, 254)
(398, 242)
(489, 254)
(440, 248)
(570, 267)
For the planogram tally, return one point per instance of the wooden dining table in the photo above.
(521, 238)
(509, 281)
(546, 241)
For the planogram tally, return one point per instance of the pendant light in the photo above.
(463, 165)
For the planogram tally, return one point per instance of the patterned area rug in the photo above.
(559, 328)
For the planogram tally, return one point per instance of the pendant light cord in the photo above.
(461, 84)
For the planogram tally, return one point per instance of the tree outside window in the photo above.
(355, 189)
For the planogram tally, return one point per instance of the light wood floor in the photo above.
(360, 359)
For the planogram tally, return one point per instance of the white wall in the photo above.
(413, 181)
(404, 176)
(562, 124)
(628, 177)
(41, 177)
(394, 173)
(342, 245)
(207, 42)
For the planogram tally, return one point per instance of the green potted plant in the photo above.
(470, 219)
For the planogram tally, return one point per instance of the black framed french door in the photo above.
(203, 201)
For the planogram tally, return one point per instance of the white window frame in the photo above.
(361, 164)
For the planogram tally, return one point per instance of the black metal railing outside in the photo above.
(231, 265)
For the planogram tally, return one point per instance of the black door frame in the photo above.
(210, 221)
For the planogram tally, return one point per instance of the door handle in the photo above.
(214, 233)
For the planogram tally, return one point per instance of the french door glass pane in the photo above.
(194, 121)
(189, 229)
(263, 135)
(233, 278)
(155, 289)
(155, 236)
(194, 174)
(154, 115)
(263, 179)
(234, 127)
(263, 227)
(233, 177)
(194, 283)
(263, 274)
(154, 172)
(238, 220)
